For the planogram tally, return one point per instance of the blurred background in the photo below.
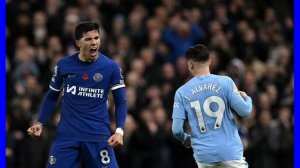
(250, 40)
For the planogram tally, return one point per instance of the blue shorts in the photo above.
(68, 153)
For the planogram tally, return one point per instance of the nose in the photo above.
(93, 41)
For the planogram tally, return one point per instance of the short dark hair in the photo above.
(198, 53)
(85, 27)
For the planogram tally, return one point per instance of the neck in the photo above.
(83, 58)
(201, 71)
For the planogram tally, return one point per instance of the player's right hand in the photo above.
(35, 130)
(187, 142)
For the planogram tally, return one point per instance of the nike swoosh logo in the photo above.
(71, 76)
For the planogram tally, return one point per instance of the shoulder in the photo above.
(184, 87)
(106, 59)
(67, 59)
(227, 82)
(109, 61)
(222, 78)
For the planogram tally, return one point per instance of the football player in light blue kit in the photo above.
(207, 102)
(85, 80)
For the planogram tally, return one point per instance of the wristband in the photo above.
(120, 131)
(39, 123)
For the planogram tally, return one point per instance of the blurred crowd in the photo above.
(250, 40)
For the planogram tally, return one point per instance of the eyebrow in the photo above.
(88, 38)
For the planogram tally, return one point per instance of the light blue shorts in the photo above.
(225, 164)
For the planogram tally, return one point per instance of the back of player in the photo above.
(206, 102)
(213, 133)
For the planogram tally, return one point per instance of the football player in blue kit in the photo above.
(85, 79)
(206, 102)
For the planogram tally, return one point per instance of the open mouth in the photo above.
(93, 51)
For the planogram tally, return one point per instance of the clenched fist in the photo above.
(35, 129)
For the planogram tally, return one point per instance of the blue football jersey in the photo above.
(85, 86)
(206, 101)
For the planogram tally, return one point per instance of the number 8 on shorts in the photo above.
(105, 159)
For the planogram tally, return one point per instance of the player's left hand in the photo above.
(35, 130)
(243, 94)
(116, 140)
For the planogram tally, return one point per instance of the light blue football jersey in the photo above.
(206, 101)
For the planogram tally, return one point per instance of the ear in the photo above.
(77, 43)
(209, 61)
(190, 65)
